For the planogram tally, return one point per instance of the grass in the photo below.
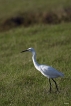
(20, 83)
(11, 7)
(25, 13)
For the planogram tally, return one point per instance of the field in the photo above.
(11, 7)
(20, 83)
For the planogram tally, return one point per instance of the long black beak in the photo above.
(24, 51)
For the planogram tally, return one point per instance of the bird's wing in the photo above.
(50, 72)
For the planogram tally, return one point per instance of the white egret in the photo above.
(47, 71)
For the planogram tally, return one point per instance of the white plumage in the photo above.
(47, 71)
(50, 72)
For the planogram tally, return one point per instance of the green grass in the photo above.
(12, 7)
(15, 13)
(20, 83)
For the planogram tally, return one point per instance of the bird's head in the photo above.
(29, 49)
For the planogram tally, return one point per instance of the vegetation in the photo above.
(20, 83)
(11, 7)
(14, 13)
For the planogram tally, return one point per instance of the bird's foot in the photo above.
(57, 91)
(49, 91)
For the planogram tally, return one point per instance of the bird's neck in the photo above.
(34, 60)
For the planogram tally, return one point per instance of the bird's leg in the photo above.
(55, 84)
(50, 85)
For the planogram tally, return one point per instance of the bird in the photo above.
(47, 71)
